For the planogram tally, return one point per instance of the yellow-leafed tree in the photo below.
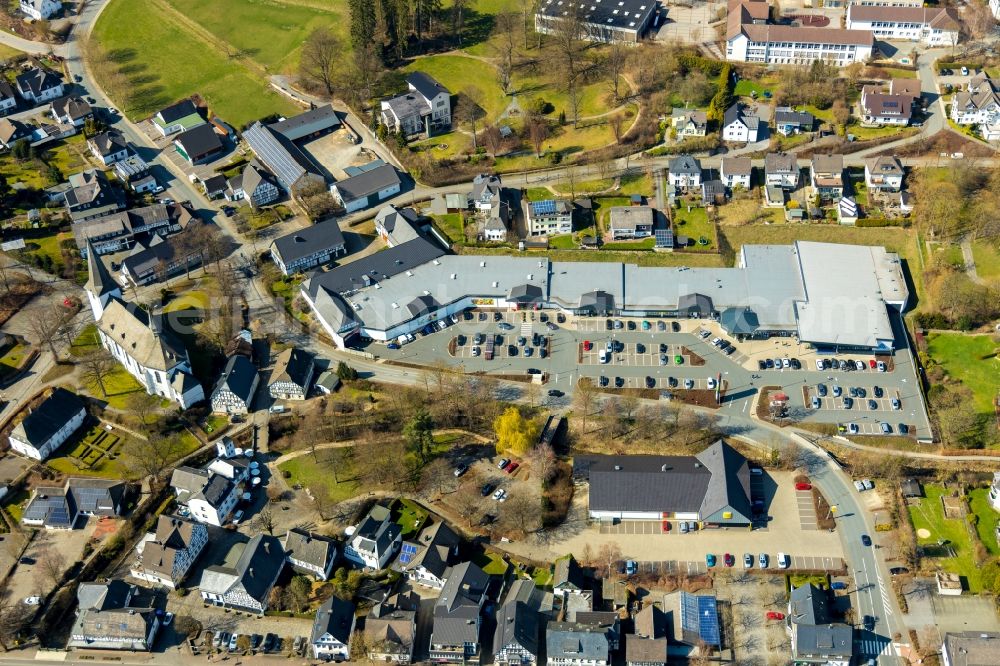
(515, 434)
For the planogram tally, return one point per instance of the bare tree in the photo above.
(584, 400)
(264, 521)
(437, 477)
(142, 404)
(43, 324)
(52, 564)
(615, 60)
(467, 502)
(567, 47)
(617, 121)
(97, 365)
(493, 139)
(538, 132)
(543, 460)
(151, 456)
(469, 109)
(504, 25)
(609, 554)
(318, 60)
(15, 617)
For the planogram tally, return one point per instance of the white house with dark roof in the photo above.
(310, 553)
(684, 172)
(396, 225)
(41, 10)
(367, 188)
(199, 144)
(254, 184)
(712, 487)
(739, 125)
(165, 555)
(292, 375)
(826, 176)
(515, 641)
(627, 222)
(39, 85)
(781, 170)
(689, 122)
(736, 172)
(236, 387)
(8, 99)
(71, 110)
(816, 638)
(884, 173)
(426, 560)
(457, 621)
(244, 580)
(548, 217)
(309, 247)
(47, 426)
(375, 540)
(110, 616)
(210, 497)
(933, 26)
(424, 109)
(108, 147)
(330, 639)
(178, 117)
(91, 195)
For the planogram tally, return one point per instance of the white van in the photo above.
(604, 356)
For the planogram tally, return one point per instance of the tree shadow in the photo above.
(122, 55)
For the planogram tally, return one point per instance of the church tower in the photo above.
(101, 287)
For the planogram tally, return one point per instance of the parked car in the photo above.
(762, 560)
(33, 601)
(747, 561)
(896, 404)
(711, 383)
(675, 326)
(815, 402)
(678, 359)
(661, 326)
(878, 391)
(513, 466)
(866, 540)
(232, 642)
(784, 561)
(587, 345)
(803, 486)
(650, 382)
(503, 462)
(499, 494)
(486, 489)
(838, 585)
(903, 429)
(556, 393)
(868, 484)
(300, 641)
(461, 469)
(881, 366)
(683, 527)
(872, 404)
(859, 486)
(619, 382)
(853, 428)
(821, 390)
(630, 568)
(710, 560)
(728, 560)
(689, 383)
(837, 391)
(775, 615)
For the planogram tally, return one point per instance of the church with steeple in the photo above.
(137, 339)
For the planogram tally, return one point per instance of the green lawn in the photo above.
(342, 484)
(864, 133)
(928, 514)
(491, 563)
(457, 72)
(14, 504)
(564, 242)
(92, 452)
(12, 359)
(644, 244)
(695, 225)
(979, 503)
(86, 341)
(165, 62)
(195, 299)
(539, 193)
(410, 516)
(119, 384)
(48, 246)
(896, 73)
(451, 225)
(7, 52)
(987, 258)
(972, 360)
(746, 87)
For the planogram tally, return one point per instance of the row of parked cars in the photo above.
(268, 644)
(848, 365)
(661, 326)
(763, 560)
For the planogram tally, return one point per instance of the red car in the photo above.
(872, 363)
(666, 525)
(803, 486)
(728, 559)
(587, 345)
(512, 466)
(775, 615)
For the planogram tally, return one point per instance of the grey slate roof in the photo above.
(567, 575)
(310, 548)
(516, 623)
(435, 546)
(459, 602)
(566, 640)
(292, 365)
(238, 378)
(103, 596)
(215, 184)
(830, 640)
(304, 242)
(334, 617)
(809, 605)
(47, 418)
(426, 85)
(784, 115)
(367, 183)
(308, 122)
(736, 113)
(174, 112)
(109, 142)
(972, 648)
(199, 140)
(685, 164)
(37, 80)
(737, 166)
(256, 569)
(376, 267)
(784, 163)
(73, 106)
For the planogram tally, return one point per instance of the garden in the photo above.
(970, 359)
(945, 541)
(94, 454)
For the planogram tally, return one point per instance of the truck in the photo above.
(490, 341)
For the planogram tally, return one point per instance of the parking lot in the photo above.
(572, 350)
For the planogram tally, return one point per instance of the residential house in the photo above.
(165, 556)
(138, 341)
(736, 172)
(629, 222)
(330, 639)
(614, 594)
(878, 108)
(607, 621)
(424, 109)
(713, 192)
(684, 172)
(515, 641)
(41, 10)
(134, 172)
(59, 507)
(689, 122)
(427, 560)
(907, 88)
(217, 187)
(647, 645)
(788, 121)
(751, 38)
(37, 85)
(245, 585)
(826, 176)
(108, 147)
(739, 125)
(781, 170)
(932, 26)
(46, 426)
(884, 174)
(209, 497)
(8, 99)
(548, 217)
(254, 184)
(109, 616)
(90, 195)
(970, 648)
(694, 619)
(310, 553)
(979, 103)
(625, 21)
(309, 247)
(367, 188)
(178, 117)
(12, 131)
(236, 388)
(160, 259)
(816, 638)
(292, 375)
(568, 578)
(122, 230)
(71, 110)
(199, 144)
(391, 628)
(495, 230)
(568, 644)
(455, 634)
(396, 225)
(375, 540)
(486, 192)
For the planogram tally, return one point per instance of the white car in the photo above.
(868, 484)
(784, 561)
(853, 428)
(32, 601)
(881, 366)
(167, 619)
(786, 363)
(499, 494)
(237, 517)
(860, 486)
(711, 383)
(820, 365)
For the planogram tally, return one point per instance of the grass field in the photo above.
(165, 62)
(987, 260)
(93, 452)
(491, 563)
(86, 341)
(7, 52)
(457, 72)
(341, 483)
(695, 225)
(119, 384)
(928, 514)
(409, 516)
(972, 360)
(979, 503)
(12, 359)
(451, 225)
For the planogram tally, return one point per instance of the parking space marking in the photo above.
(807, 513)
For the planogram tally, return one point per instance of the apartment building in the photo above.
(933, 26)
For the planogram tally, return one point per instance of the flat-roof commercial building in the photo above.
(600, 20)
(833, 296)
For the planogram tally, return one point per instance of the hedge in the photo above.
(879, 222)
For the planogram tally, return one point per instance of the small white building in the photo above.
(424, 109)
(375, 540)
(41, 10)
(39, 85)
(310, 553)
(331, 633)
(685, 172)
(236, 388)
(209, 497)
(884, 174)
(781, 170)
(46, 427)
(739, 126)
(736, 172)
(367, 188)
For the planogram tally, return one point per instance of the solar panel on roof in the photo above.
(708, 620)
(407, 553)
(546, 207)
